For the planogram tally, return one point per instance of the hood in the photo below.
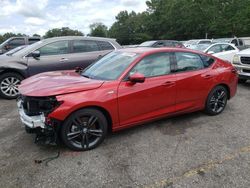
(57, 83)
(245, 52)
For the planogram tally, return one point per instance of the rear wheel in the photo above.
(9, 85)
(84, 129)
(216, 100)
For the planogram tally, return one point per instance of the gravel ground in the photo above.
(193, 150)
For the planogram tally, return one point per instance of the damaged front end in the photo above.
(34, 113)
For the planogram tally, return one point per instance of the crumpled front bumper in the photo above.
(30, 121)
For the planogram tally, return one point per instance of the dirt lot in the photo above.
(194, 150)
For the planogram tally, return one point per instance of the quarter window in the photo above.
(188, 62)
(55, 48)
(207, 61)
(153, 65)
(84, 46)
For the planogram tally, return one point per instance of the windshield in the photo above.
(111, 66)
(147, 43)
(11, 52)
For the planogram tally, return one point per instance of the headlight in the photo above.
(236, 59)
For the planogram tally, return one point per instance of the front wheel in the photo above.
(216, 100)
(9, 85)
(84, 129)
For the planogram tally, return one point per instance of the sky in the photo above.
(38, 16)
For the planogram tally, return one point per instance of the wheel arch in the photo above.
(227, 88)
(3, 71)
(105, 112)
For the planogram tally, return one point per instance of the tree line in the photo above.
(172, 19)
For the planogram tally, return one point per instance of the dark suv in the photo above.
(59, 53)
(14, 42)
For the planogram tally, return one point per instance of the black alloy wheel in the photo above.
(84, 129)
(217, 100)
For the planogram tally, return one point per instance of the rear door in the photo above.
(193, 80)
(85, 52)
(53, 56)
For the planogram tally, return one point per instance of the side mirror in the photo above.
(35, 54)
(137, 78)
(210, 52)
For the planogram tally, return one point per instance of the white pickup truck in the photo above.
(241, 61)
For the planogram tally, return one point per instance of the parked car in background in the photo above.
(162, 43)
(239, 43)
(225, 51)
(14, 42)
(125, 88)
(190, 43)
(9, 53)
(59, 53)
(241, 61)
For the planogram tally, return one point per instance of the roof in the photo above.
(77, 38)
(155, 50)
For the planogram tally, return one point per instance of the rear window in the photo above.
(105, 45)
(80, 46)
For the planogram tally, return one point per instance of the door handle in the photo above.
(207, 76)
(63, 59)
(168, 83)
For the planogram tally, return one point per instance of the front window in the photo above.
(16, 42)
(153, 65)
(111, 66)
(215, 49)
(55, 48)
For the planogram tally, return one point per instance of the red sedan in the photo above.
(125, 88)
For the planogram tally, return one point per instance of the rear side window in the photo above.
(234, 41)
(16, 42)
(226, 47)
(32, 41)
(80, 46)
(207, 61)
(240, 42)
(105, 45)
(55, 48)
(188, 62)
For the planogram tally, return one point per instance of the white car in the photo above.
(225, 51)
(190, 43)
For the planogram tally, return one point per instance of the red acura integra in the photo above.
(125, 88)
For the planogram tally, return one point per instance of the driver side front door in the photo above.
(151, 99)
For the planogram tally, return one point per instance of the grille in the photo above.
(246, 71)
(245, 60)
(36, 105)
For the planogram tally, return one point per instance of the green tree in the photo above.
(130, 28)
(98, 30)
(64, 31)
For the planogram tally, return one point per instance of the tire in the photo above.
(216, 100)
(84, 130)
(242, 81)
(8, 85)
